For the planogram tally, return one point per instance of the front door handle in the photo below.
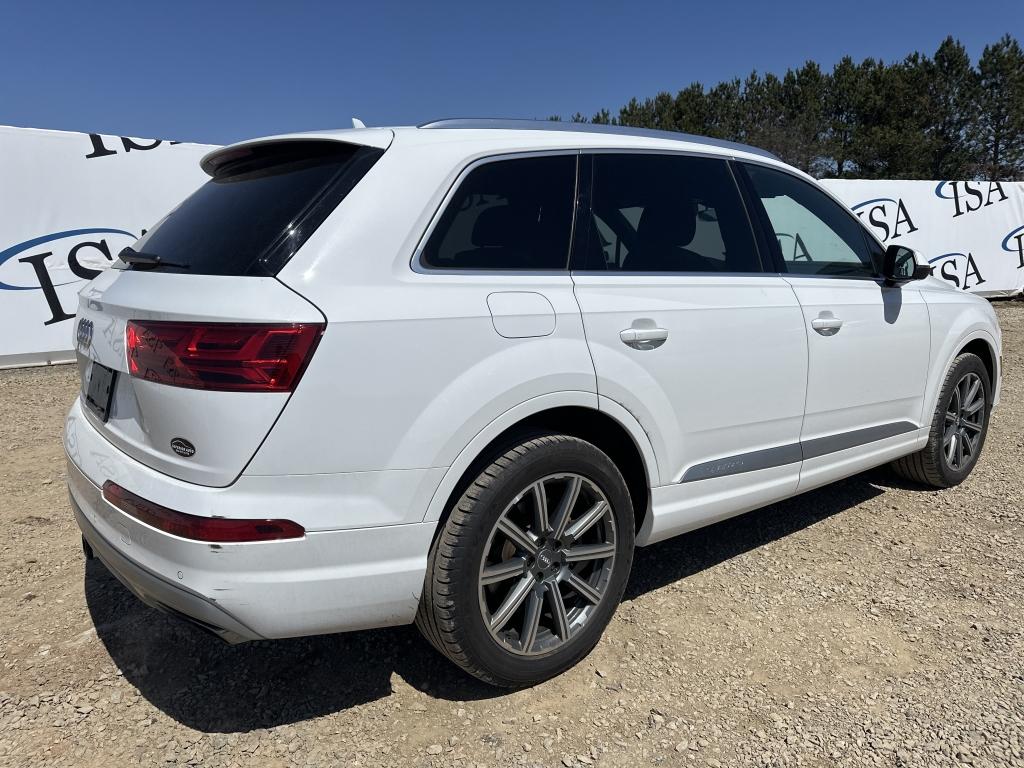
(643, 338)
(827, 324)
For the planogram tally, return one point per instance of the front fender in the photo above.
(955, 323)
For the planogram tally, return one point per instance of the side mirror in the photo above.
(902, 264)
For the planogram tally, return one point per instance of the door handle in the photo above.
(643, 338)
(827, 324)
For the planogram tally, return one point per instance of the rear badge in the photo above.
(183, 447)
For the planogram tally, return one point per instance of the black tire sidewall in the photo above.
(968, 363)
(540, 460)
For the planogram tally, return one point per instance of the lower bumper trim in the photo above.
(157, 592)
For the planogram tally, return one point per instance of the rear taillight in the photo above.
(213, 529)
(227, 357)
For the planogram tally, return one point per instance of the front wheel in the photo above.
(958, 429)
(531, 563)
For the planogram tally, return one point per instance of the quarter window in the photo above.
(814, 234)
(666, 213)
(508, 214)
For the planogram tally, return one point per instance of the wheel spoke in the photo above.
(950, 417)
(948, 436)
(591, 516)
(959, 452)
(974, 407)
(532, 621)
(492, 574)
(517, 536)
(540, 507)
(966, 441)
(583, 552)
(972, 426)
(950, 444)
(583, 588)
(972, 394)
(557, 606)
(511, 603)
(566, 504)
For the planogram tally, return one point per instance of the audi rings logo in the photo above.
(84, 333)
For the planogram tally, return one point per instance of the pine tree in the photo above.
(1001, 121)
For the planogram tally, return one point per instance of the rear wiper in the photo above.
(130, 256)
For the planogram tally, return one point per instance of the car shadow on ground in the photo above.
(210, 686)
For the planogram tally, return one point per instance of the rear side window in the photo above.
(667, 213)
(257, 210)
(508, 214)
(814, 234)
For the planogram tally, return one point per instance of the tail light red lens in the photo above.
(213, 529)
(226, 357)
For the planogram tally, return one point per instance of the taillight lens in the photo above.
(227, 357)
(212, 529)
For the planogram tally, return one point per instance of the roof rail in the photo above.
(512, 124)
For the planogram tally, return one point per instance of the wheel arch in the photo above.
(982, 348)
(625, 443)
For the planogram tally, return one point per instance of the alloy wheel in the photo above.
(965, 416)
(547, 564)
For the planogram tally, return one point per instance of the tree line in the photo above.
(938, 117)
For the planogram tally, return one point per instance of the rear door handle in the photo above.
(827, 324)
(643, 338)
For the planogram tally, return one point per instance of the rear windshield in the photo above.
(257, 210)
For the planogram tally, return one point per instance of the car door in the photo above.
(690, 335)
(868, 343)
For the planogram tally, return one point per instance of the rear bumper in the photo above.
(151, 588)
(328, 581)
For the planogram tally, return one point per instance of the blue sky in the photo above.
(221, 71)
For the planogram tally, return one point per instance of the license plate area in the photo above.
(99, 392)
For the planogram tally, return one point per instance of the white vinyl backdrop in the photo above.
(69, 202)
(971, 232)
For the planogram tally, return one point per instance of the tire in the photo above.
(933, 464)
(477, 570)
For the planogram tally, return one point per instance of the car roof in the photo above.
(492, 134)
(593, 128)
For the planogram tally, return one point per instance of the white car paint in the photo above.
(419, 370)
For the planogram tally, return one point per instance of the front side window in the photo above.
(666, 213)
(815, 236)
(508, 214)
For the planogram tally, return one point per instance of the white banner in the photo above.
(69, 202)
(971, 232)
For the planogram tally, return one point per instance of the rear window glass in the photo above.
(508, 214)
(259, 208)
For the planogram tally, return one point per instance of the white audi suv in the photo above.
(455, 373)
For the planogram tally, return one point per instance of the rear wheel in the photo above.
(958, 428)
(531, 562)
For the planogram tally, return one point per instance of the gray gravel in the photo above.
(867, 623)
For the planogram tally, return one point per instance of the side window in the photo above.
(508, 214)
(667, 213)
(816, 236)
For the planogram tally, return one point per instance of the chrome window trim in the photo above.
(765, 267)
(782, 168)
(416, 262)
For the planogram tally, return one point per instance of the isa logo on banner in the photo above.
(50, 261)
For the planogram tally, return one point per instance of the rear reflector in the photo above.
(213, 529)
(226, 357)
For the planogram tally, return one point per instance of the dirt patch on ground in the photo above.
(869, 622)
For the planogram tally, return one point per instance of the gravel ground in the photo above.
(866, 623)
